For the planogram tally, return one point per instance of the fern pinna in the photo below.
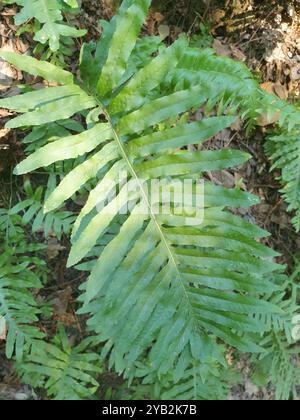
(164, 285)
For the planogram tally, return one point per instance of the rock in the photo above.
(21, 396)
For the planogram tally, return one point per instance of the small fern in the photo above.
(56, 223)
(209, 379)
(49, 16)
(64, 371)
(21, 269)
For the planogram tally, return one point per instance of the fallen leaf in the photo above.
(268, 87)
(230, 357)
(53, 248)
(4, 113)
(295, 72)
(158, 17)
(3, 328)
(276, 54)
(224, 178)
(237, 125)
(61, 301)
(217, 16)
(221, 49)
(280, 91)
(164, 31)
(275, 88)
(4, 131)
(265, 119)
(239, 181)
(7, 72)
(238, 54)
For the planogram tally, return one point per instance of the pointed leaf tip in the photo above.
(35, 67)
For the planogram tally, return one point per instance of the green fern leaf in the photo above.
(284, 151)
(49, 14)
(279, 363)
(56, 223)
(66, 372)
(18, 307)
(48, 71)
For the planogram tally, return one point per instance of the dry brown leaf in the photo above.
(4, 113)
(230, 357)
(3, 328)
(61, 302)
(221, 49)
(275, 88)
(239, 180)
(158, 17)
(268, 87)
(217, 16)
(238, 54)
(237, 125)
(264, 120)
(224, 178)
(53, 248)
(3, 131)
(7, 73)
(280, 91)
(164, 31)
(295, 72)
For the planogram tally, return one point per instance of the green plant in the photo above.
(283, 149)
(21, 268)
(210, 380)
(279, 364)
(165, 287)
(228, 82)
(48, 25)
(203, 38)
(64, 371)
(56, 223)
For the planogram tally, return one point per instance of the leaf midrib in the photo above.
(152, 215)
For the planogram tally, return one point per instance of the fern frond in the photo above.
(209, 379)
(18, 306)
(10, 225)
(232, 84)
(284, 151)
(57, 223)
(49, 14)
(164, 282)
(65, 372)
(280, 361)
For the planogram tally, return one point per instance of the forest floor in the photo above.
(265, 35)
